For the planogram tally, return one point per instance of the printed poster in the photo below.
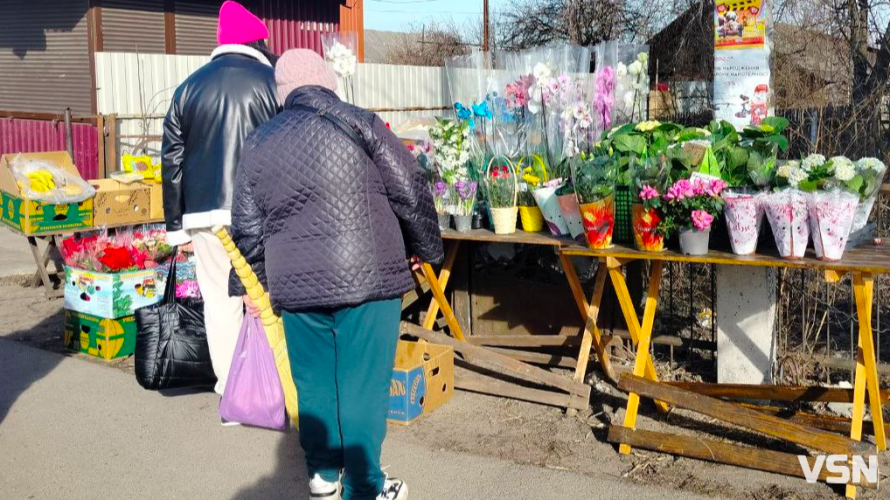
(742, 88)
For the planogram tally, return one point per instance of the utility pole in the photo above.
(485, 25)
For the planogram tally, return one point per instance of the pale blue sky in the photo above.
(402, 15)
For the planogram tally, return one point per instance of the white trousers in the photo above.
(223, 315)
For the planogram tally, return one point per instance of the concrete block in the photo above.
(746, 317)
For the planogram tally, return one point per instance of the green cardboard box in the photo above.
(103, 338)
(35, 217)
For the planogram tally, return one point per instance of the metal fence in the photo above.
(20, 135)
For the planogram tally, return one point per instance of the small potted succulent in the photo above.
(691, 207)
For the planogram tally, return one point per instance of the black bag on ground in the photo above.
(171, 342)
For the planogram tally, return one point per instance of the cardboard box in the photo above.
(36, 217)
(103, 338)
(118, 204)
(112, 295)
(156, 207)
(422, 380)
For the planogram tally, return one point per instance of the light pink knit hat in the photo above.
(300, 67)
(238, 26)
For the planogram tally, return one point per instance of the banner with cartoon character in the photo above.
(742, 89)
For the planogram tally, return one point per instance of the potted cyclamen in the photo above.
(502, 187)
(691, 206)
(466, 202)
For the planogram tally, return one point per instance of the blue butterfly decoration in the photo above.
(464, 113)
(482, 110)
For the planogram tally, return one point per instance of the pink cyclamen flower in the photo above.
(702, 220)
(648, 193)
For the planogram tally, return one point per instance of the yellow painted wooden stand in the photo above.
(271, 322)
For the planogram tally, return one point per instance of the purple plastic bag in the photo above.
(253, 395)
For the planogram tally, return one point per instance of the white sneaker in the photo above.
(226, 423)
(319, 489)
(394, 489)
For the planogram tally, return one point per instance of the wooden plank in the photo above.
(520, 237)
(575, 284)
(841, 425)
(670, 340)
(537, 358)
(169, 27)
(498, 362)
(715, 451)
(468, 381)
(772, 392)
(100, 132)
(744, 417)
(874, 259)
(849, 364)
(526, 340)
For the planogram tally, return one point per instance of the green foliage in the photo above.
(594, 177)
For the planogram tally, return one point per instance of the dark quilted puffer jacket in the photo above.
(324, 221)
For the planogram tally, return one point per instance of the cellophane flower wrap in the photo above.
(788, 217)
(744, 218)
(872, 172)
(631, 83)
(602, 85)
(472, 83)
(831, 216)
(340, 50)
(126, 250)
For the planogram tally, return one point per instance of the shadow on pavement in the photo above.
(288, 480)
(22, 365)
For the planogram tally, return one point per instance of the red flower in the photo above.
(494, 174)
(662, 87)
(116, 258)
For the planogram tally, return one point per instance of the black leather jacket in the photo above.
(325, 221)
(210, 116)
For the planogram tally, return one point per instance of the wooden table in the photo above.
(51, 254)
(862, 264)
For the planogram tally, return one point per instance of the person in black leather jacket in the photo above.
(210, 116)
(329, 206)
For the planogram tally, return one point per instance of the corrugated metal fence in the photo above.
(138, 87)
(33, 136)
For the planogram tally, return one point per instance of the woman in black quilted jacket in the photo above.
(329, 208)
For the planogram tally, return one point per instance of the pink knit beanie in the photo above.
(237, 25)
(300, 67)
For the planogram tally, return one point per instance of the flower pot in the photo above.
(787, 214)
(831, 219)
(694, 242)
(444, 221)
(504, 220)
(647, 237)
(571, 213)
(744, 218)
(463, 223)
(599, 221)
(532, 219)
(863, 210)
(549, 205)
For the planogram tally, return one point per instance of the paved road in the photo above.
(16, 254)
(70, 429)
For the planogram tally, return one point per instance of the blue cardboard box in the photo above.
(112, 295)
(422, 380)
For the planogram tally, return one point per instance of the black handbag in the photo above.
(171, 342)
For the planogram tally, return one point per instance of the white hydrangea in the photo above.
(871, 163)
(797, 176)
(635, 68)
(812, 161)
(785, 170)
(844, 171)
(838, 161)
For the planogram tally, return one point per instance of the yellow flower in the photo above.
(648, 126)
(530, 179)
(767, 128)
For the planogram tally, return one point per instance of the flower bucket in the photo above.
(571, 214)
(504, 220)
(599, 221)
(532, 219)
(463, 223)
(550, 210)
(444, 221)
(787, 214)
(744, 217)
(694, 242)
(831, 219)
(647, 238)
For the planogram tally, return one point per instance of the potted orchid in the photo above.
(691, 206)
(339, 52)
(466, 203)
(632, 83)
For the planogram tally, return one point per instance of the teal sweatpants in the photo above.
(342, 362)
